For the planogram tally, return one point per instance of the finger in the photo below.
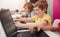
(38, 29)
(31, 29)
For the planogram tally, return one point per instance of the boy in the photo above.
(28, 10)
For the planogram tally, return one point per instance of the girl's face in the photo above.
(38, 11)
(26, 9)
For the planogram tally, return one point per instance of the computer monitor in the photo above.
(7, 23)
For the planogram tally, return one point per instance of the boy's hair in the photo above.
(42, 4)
(29, 5)
(33, 1)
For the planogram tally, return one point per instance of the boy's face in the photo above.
(26, 9)
(38, 11)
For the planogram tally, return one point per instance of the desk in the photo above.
(53, 34)
(15, 15)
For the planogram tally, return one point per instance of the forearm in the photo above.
(47, 28)
(54, 28)
(20, 25)
(25, 19)
(50, 28)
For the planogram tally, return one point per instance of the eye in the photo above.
(36, 10)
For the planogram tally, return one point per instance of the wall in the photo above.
(50, 7)
(56, 9)
(12, 4)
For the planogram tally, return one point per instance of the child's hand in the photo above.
(17, 17)
(39, 27)
(18, 24)
(16, 20)
(31, 27)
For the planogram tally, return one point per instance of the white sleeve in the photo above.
(56, 22)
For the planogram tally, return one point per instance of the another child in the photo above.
(28, 10)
